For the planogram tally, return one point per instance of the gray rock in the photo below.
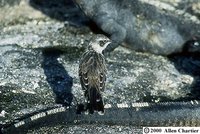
(143, 25)
(40, 53)
(9, 2)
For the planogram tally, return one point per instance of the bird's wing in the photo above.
(102, 72)
(92, 71)
(85, 63)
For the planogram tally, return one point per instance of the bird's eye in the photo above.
(101, 43)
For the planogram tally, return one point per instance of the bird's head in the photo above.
(99, 43)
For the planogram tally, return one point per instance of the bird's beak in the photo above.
(107, 43)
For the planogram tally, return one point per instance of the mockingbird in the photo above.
(92, 73)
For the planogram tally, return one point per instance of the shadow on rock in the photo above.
(189, 65)
(62, 10)
(67, 11)
(57, 77)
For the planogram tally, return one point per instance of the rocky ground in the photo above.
(41, 43)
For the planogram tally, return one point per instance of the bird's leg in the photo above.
(100, 106)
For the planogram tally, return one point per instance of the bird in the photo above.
(92, 73)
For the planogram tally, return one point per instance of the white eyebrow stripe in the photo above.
(107, 43)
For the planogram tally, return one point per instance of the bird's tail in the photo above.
(95, 101)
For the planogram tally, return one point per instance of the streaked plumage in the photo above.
(92, 73)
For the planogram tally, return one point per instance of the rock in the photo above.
(9, 2)
(145, 26)
(39, 57)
